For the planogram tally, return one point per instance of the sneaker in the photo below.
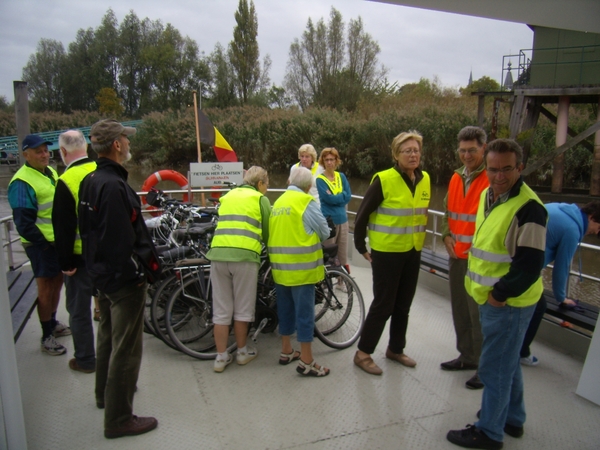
(220, 364)
(530, 361)
(245, 358)
(472, 437)
(512, 430)
(341, 287)
(50, 346)
(61, 330)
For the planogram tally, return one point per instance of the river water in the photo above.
(587, 290)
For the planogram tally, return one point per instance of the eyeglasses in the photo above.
(504, 171)
(470, 151)
(414, 151)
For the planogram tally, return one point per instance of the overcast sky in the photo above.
(414, 43)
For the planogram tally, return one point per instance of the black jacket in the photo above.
(117, 247)
(64, 222)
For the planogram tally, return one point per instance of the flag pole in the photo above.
(198, 139)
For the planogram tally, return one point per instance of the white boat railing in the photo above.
(9, 234)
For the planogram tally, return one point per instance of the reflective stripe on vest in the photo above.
(296, 256)
(489, 258)
(44, 193)
(72, 179)
(462, 210)
(240, 220)
(336, 186)
(399, 223)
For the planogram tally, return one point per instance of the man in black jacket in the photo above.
(119, 256)
(78, 284)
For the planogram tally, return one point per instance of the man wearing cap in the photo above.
(119, 256)
(78, 284)
(30, 194)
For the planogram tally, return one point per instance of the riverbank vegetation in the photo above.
(335, 94)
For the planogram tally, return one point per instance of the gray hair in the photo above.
(255, 174)
(302, 178)
(72, 141)
(471, 133)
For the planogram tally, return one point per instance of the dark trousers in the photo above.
(536, 320)
(119, 351)
(465, 314)
(79, 299)
(395, 278)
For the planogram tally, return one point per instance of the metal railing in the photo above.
(577, 64)
(434, 232)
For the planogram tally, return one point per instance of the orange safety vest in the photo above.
(462, 211)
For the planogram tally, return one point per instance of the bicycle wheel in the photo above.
(339, 309)
(157, 309)
(188, 320)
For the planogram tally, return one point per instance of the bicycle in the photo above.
(339, 309)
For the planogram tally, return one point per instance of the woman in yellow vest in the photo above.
(297, 228)
(235, 258)
(335, 194)
(394, 210)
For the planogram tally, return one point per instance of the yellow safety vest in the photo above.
(240, 220)
(335, 187)
(44, 188)
(489, 259)
(313, 169)
(296, 256)
(72, 179)
(399, 223)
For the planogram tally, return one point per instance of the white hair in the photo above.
(72, 141)
(302, 178)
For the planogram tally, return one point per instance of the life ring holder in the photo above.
(165, 175)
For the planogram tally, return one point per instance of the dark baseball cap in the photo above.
(34, 141)
(109, 130)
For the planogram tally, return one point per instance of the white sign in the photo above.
(216, 174)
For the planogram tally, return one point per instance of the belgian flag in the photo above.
(209, 135)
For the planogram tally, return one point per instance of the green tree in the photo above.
(483, 84)
(44, 76)
(244, 54)
(221, 88)
(329, 67)
(82, 80)
(109, 104)
(130, 48)
(4, 106)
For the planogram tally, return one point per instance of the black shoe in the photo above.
(471, 437)
(474, 382)
(511, 430)
(457, 364)
(134, 426)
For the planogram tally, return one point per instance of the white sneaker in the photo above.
(245, 358)
(220, 364)
(61, 330)
(530, 361)
(341, 287)
(52, 347)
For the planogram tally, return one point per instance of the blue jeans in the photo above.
(79, 299)
(499, 368)
(296, 310)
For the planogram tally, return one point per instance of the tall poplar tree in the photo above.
(244, 54)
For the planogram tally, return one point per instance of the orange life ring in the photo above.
(165, 175)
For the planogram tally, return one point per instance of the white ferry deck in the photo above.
(268, 406)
